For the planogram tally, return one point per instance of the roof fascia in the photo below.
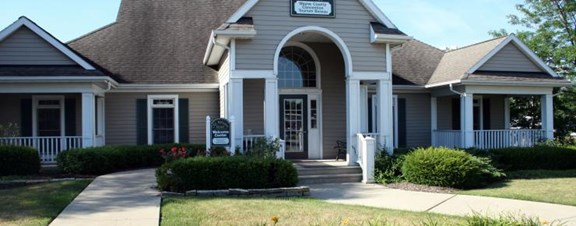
(242, 11)
(23, 21)
(562, 83)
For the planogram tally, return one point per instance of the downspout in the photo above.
(456, 92)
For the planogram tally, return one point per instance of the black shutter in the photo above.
(456, 114)
(26, 117)
(141, 122)
(70, 117)
(402, 123)
(486, 113)
(183, 118)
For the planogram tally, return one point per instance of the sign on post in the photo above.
(220, 133)
(312, 8)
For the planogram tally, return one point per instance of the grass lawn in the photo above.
(37, 204)
(534, 185)
(294, 211)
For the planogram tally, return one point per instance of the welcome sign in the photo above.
(220, 132)
(312, 8)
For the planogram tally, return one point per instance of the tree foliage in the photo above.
(550, 31)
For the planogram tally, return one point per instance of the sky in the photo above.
(441, 23)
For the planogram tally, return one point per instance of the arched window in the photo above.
(296, 68)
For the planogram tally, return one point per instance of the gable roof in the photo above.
(415, 62)
(158, 41)
(51, 40)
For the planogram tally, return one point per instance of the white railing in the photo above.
(249, 141)
(281, 153)
(365, 154)
(447, 138)
(48, 147)
(492, 139)
(371, 135)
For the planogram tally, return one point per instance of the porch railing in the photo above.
(447, 138)
(48, 147)
(250, 140)
(492, 139)
(366, 154)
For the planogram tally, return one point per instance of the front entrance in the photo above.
(294, 125)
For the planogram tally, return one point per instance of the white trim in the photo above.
(442, 84)
(314, 57)
(58, 79)
(368, 4)
(316, 29)
(243, 34)
(530, 54)
(510, 90)
(35, 107)
(388, 38)
(370, 75)
(23, 21)
(232, 55)
(175, 106)
(165, 88)
(389, 61)
(88, 119)
(395, 115)
(561, 83)
(253, 74)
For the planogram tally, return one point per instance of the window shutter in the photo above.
(456, 114)
(26, 117)
(141, 122)
(183, 108)
(402, 123)
(486, 113)
(70, 117)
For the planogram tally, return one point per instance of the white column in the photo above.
(547, 109)
(385, 116)
(467, 120)
(352, 118)
(433, 119)
(364, 108)
(88, 120)
(271, 108)
(236, 102)
(506, 112)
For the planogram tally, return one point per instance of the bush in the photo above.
(448, 168)
(388, 169)
(107, 159)
(264, 148)
(202, 173)
(538, 157)
(18, 161)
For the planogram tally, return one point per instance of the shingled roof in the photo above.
(158, 41)
(415, 62)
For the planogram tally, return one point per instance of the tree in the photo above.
(551, 33)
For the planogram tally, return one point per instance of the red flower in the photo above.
(162, 151)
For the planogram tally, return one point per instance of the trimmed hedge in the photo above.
(210, 173)
(448, 168)
(18, 161)
(539, 157)
(108, 159)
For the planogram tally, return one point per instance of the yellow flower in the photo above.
(275, 219)
(544, 222)
(345, 221)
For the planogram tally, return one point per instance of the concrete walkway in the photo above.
(125, 198)
(379, 196)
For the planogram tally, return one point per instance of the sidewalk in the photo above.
(450, 204)
(124, 198)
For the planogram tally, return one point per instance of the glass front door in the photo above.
(294, 125)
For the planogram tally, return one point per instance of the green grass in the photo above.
(37, 204)
(534, 185)
(295, 211)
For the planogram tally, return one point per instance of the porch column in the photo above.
(88, 119)
(271, 108)
(547, 110)
(352, 118)
(433, 119)
(467, 119)
(385, 116)
(506, 112)
(236, 109)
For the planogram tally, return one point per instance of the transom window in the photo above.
(163, 119)
(296, 69)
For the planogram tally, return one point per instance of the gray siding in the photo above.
(510, 58)
(24, 47)
(417, 119)
(121, 115)
(444, 111)
(333, 96)
(223, 73)
(496, 111)
(273, 23)
(254, 105)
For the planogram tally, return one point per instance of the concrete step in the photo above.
(333, 178)
(303, 171)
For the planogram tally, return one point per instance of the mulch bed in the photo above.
(418, 187)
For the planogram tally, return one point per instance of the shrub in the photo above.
(18, 161)
(538, 157)
(388, 169)
(264, 148)
(203, 173)
(448, 168)
(107, 159)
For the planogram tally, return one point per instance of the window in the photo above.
(163, 119)
(48, 118)
(296, 69)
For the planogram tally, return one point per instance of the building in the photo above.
(308, 72)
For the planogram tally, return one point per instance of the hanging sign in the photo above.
(220, 133)
(312, 8)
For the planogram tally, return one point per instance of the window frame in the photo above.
(317, 64)
(36, 106)
(150, 108)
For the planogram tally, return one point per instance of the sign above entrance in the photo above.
(220, 133)
(312, 8)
